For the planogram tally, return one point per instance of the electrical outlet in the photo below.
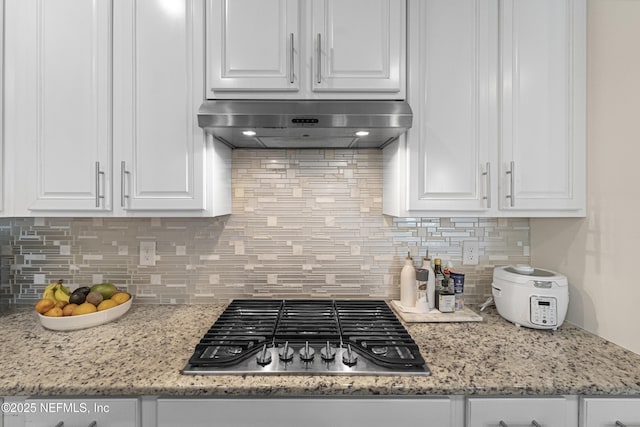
(147, 253)
(470, 252)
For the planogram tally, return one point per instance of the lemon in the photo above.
(121, 297)
(84, 308)
(106, 304)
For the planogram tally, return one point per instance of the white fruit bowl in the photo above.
(82, 321)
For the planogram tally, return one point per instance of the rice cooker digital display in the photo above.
(544, 311)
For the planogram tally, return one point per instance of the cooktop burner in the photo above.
(324, 337)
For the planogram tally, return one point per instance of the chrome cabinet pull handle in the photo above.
(60, 424)
(533, 423)
(620, 424)
(319, 55)
(99, 173)
(291, 59)
(512, 181)
(124, 173)
(487, 182)
(93, 424)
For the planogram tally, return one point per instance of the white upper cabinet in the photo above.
(451, 86)
(254, 45)
(103, 118)
(358, 45)
(58, 104)
(499, 115)
(160, 150)
(301, 49)
(2, 167)
(543, 86)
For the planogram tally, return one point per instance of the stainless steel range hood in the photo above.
(305, 124)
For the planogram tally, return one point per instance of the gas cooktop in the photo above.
(324, 337)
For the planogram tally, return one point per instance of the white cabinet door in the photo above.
(58, 104)
(610, 412)
(359, 46)
(2, 167)
(158, 87)
(83, 412)
(253, 45)
(451, 94)
(499, 117)
(312, 412)
(547, 411)
(293, 49)
(543, 104)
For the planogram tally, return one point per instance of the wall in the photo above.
(598, 253)
(305, 223)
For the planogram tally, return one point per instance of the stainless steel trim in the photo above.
(319, 59)
(512, 182)
(487, 183)
(98, 195)
(291, 59)
(297, 366)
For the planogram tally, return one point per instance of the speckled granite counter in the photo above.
(143, 352)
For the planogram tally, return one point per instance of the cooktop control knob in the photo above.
(307, 353)
(328, 352)
(264, 356)
(285, 352)
(349, 358)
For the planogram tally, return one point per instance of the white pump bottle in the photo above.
(408, 288)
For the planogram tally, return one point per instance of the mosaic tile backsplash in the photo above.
(305, 223)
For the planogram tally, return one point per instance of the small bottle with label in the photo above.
(438, 274)
(445, 299)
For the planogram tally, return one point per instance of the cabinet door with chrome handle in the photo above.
(253, 46)
(610, 411)
(359, 46)
(556, 411)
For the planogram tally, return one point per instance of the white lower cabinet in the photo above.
(71, 412)
(561, 411)
(311, 412)
(609, 412)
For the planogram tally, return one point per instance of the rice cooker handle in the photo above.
(543, 284)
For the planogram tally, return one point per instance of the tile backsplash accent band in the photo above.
(305, 223)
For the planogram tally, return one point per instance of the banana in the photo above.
(60, 295)
(63, 287)
(49, 293)
(56, 291)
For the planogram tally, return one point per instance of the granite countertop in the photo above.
(142, 354)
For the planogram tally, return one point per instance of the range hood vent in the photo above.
(305, 124)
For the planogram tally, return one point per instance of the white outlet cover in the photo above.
(147, 253)
(470, 252)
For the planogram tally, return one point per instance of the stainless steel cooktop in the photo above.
(323, 337)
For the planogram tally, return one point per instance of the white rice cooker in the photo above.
(530, 297)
